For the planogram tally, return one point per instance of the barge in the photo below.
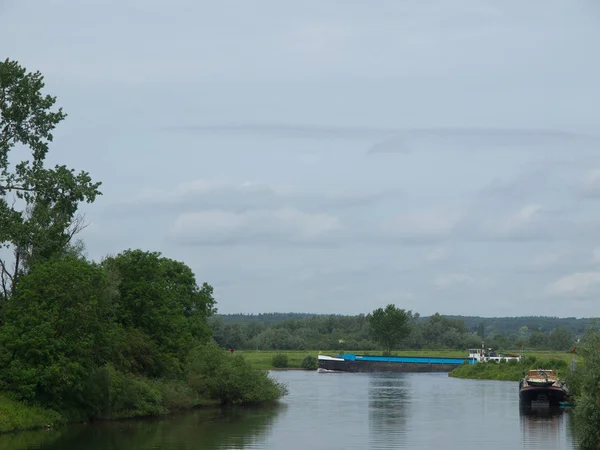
(349, 362)
(542, 388)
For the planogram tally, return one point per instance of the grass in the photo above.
(509, 370)
(17, 416)
(262, 359)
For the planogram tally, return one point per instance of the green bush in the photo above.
(132, 396)
(16, 416)
(280, 360)
(309, 362)
(229, 379)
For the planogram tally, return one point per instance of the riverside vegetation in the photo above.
(82, 340)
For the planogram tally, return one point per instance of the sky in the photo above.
(336, 156)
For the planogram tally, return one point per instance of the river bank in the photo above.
(508, 371)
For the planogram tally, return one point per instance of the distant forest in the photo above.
(304, 331)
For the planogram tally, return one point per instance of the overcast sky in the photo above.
(336, 156)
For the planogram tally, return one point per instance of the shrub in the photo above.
(228, 379)
(280, 360)
(16, 416)
(309, 362)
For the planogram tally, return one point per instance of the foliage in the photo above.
(162, 307)
(293, 331)
(389, 326)
(40, 220)
(230, 379)
(280, 360)
(309, 362)
(511, 370)
(58, 330)
(16, 416)
(587, 392)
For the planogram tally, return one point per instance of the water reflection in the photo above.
(545, 426)
(215, 429)
(389, 401)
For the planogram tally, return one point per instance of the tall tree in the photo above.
(389, 326)
(38, 205)
(59, 329)
(161, 307)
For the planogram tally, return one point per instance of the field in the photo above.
(261, 359)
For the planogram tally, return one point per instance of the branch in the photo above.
(16, 188)
(4, 276)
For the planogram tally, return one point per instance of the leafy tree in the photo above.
(389, 326)
(481, 331)
(587, 398)
(38, 205)
(561, 339)
(161, 303)
(58, 330)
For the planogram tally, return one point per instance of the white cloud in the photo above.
(545, 260)
(436, 254)
(453, 279)
(318, 41)
(574, 284)
(427, 223)
(590, 185)
(239, 196)
(521, 221)
(596, 255)
(223, 226)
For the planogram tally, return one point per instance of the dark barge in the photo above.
(542, 388)
(357, 363)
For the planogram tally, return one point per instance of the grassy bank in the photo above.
(508, 371)
(212, 378)
(17, 416)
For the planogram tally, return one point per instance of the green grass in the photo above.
(17, 416)
(508, 371)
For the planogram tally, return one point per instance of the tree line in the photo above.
(302, 331)
(125, 336)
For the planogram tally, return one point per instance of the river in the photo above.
(336, 411)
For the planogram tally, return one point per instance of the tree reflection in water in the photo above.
(389, 400)
(235, 428)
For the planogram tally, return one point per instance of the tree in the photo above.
(561, 339)
(481, 331)
(59, 329)
(389, 326)
(587, 390)
(38, 205)
(161, 306)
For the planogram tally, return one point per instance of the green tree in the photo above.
(38, 205)
(389, 326)
(59, 329)
(561, 339)
(587, 398)
(161, 307)
(481, 331)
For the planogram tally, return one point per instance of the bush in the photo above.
(280, 360)
(309, 362)
(228, 379)
(17, 416)
(132, 396)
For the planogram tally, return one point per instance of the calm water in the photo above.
(337, 411)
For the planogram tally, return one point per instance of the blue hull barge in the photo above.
(356, 363)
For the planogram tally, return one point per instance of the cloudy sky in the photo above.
(336, 156)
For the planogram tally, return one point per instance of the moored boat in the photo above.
(542, 387)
